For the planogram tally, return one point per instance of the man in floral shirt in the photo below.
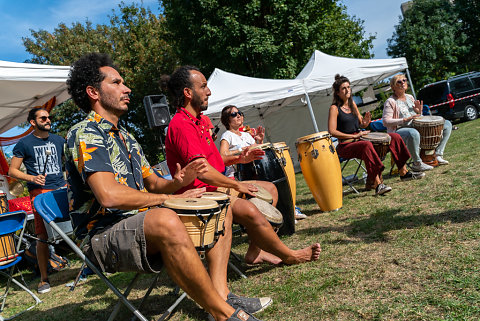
(114, 193)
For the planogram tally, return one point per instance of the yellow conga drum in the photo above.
(321, 169)
(283, 154)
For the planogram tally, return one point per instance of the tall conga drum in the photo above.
(431, 132)
(321, 169)
(269, 169)
(283, 154)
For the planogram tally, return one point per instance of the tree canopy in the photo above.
(431, 38)
(262, 38)
(135, 39)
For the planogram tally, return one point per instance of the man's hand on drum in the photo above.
(189, 173)
(192, 193)
(249, 155)
(259, 135)
(247, 188)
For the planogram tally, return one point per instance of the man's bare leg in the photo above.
(218, 257)
(261, 234)
(166, 234)
(42, 257)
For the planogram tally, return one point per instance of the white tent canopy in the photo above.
(23, 86)
(281, 106)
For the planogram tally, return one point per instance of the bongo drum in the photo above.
(273, 216)
(269, 169)
(199, 217)
(321, 169)
(263, 194)
(431, 131)
(223, 202)
(380, 142)
(283, 154)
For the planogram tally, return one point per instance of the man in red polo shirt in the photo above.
(188, 138)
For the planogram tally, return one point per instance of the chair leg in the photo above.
(23, 287)
(116, 309)
(169, 311)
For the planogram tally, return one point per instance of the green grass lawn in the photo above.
(411, 255)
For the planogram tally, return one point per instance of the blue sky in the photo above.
(17, 17)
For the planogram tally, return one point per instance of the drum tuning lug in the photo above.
(299, 158)
(332, 149)
(284, 162)
(315, 153)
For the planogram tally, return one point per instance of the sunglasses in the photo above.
(235, 113)
(44, 118)
(401, 81)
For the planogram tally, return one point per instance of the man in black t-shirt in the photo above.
(41, 153)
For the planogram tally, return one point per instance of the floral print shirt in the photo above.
(96, 145)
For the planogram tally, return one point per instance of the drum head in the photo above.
(281, 146)
(312, 137)
(216, 196)
(261, 146)
(429, 120)
(271, 213)
(263, 194)
(190, 204)
(377, 137)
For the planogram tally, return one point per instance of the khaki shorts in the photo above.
(122, 248)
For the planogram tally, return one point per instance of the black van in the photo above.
(456, 97)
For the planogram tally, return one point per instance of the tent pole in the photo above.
(312, 115)
(411, 84)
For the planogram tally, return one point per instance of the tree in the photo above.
(135, 38)
(262, 38)
(429, 36)
(469, 14)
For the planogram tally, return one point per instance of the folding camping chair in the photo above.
(53, 208)
(354, 178)
(12, 225)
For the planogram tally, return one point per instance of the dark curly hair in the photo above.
(32, 114)
(225, 117)
(86, 72)
(337, 101)
(176, 82)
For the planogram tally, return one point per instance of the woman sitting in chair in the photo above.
(344, 123)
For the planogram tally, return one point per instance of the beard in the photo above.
(43, 128)
(110, 104)
(197, 103)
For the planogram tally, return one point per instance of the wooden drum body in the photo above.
(431, 132)
(269, 169)
(200, 218)
(282, 151)
(223, 202)
(380, 141)
(321, 169)
(8, 251)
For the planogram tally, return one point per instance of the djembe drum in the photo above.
(380, 142)
(269, 169)
(8, 251)
(321, 169)
(199, 217)
(431, 132)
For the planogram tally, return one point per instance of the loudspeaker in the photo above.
(157, 110)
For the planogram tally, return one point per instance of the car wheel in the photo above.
(470, 112)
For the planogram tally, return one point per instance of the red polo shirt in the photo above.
(188, 138)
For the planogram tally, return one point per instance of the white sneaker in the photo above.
(421, 167)
(441, 161)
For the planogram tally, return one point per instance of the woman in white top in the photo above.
(235, 149)
(398, 113)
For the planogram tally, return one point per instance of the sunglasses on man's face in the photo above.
(44, 118)
(401, 81)
(235, 113)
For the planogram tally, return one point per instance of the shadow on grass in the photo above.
(378, 224)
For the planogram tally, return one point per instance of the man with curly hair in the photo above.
(115, 194)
